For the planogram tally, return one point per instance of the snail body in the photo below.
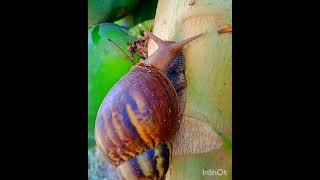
(140, 114)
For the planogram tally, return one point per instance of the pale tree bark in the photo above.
(205, 138)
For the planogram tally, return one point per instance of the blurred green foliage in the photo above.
(109, 10)
(136, 31)
(144, 11)
(107, 63)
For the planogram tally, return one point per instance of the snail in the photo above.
(141, 111)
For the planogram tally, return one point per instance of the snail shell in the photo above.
(152, 164)
(140, 114)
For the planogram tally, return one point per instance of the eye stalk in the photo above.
(167, 50)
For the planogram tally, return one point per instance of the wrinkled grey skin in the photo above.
(176, 74)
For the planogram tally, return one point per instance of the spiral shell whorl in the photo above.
(152, 164)
(139, 113)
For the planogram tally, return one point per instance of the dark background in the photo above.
(44, 98)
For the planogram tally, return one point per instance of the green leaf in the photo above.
(107, 63)
(144, 11)
(109, 10)
(136, 31)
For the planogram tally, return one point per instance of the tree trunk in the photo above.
(209, 89)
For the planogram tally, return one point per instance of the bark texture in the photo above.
(204, 141)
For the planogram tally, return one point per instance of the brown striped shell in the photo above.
(139, 113)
